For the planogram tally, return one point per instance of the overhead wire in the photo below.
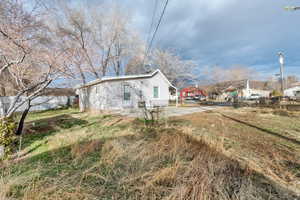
(156, 29)
(152, 20)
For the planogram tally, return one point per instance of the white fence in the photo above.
(39, 104)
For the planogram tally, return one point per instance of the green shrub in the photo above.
(276, 93)
(7, 135)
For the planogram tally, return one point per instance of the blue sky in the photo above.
(225, 32)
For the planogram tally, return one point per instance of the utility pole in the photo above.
(281, 61)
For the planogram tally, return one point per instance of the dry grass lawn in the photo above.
(266, 140)
(70, 155)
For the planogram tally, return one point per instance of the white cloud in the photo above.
(225, 32)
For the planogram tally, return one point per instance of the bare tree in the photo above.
(136, 65)
(75, 34)
(100, 40)
(291, 80)
(115, 40)
(178, 71)
(29, 57)
(240, 72)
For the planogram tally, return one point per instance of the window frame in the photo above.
(126, 93)
(158, 93)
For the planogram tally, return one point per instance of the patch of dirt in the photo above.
(52, 124)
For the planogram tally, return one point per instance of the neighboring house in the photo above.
(241, 89)
(192, 92)
(51, 98)
(248, 91)
(126, 92)
(292, 92)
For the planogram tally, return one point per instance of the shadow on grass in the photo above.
(39, 129)
(294, 141)
(66, 165)
(53, 111)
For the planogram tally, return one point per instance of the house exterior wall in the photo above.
(292, 92)
(41, 103)
(109, 95)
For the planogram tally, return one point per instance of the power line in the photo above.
(152, 21)
(159, 22)
(150, 30)
(156, 29)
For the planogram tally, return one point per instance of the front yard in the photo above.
(71, 155)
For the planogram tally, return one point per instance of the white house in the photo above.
(292, 92)
(125, 92)
(242, 89)
(248, 91)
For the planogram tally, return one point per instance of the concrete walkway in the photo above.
(171, 111)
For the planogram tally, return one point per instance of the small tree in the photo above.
(276, 93)
(7, 136)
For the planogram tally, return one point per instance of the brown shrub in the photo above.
(81, 149)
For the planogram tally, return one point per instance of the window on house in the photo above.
(155, 92)
(127, 93)
(140, 94)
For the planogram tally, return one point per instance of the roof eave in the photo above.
(126, 78)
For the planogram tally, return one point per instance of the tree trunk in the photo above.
(117, 67)
(2, 90)
(22, 120)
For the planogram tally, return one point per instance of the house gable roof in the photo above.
(127, 77)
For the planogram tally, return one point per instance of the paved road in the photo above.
(173, 111)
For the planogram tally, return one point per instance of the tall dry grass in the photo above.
(156, 163)
(173, 165)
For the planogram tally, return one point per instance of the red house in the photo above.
(192, 92)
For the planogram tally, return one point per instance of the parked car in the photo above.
(200, 98)
(254, 97)
(294, 98)
(189, 98)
